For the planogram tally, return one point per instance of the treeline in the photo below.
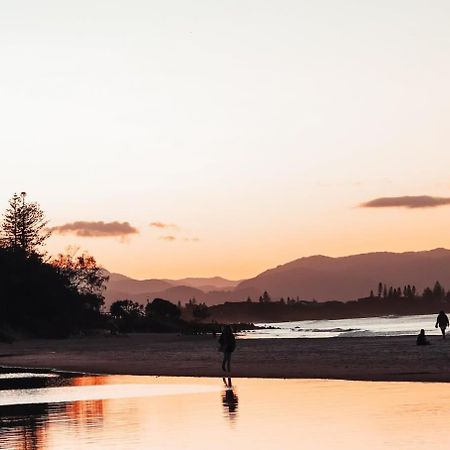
(198, 317)
(61, 296)
(410, 291)
(39, 295)
(42, 299)
(160, 315)
(396, 302)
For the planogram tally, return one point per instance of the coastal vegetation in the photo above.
(40, 295)
(198, 317)
(391, 301)
(63, 295)
(54, 297)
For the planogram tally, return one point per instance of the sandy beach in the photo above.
(379, 358)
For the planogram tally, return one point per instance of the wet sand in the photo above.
(376, 358)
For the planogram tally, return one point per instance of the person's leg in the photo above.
(224, 361)
(229, 361)
(443, 332)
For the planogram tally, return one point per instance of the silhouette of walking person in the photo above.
(227, 344)
(442, 322)
(421, 339)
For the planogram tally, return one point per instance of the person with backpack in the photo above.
(442, 322)
(227, 343)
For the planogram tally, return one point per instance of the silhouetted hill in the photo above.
(324, 278)
(205, 284)
(316, 277)
(123, 283)
(123, 287)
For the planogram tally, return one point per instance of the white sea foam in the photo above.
(359, 327)
(25, 375)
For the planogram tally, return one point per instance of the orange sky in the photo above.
(253, 132)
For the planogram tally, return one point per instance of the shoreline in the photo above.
(353, 359)
(224, 375)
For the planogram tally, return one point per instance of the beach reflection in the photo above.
(229, 399)
(201, 414)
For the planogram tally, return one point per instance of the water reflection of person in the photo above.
(229, 399)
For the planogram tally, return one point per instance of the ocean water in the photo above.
(63, 412)
(362, 327)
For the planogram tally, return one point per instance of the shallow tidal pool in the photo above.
(45, 410)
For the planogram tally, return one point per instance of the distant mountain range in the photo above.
(202, 289)
(320, 278)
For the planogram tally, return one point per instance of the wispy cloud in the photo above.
(96, 229)
(418, 201)
(162, 225)
(168, 238)
(194, 239)
(174, 228)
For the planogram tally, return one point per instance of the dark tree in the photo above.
(438, 291)
(38, 299)
(24, 225)
(126, 309)
(380, 289)
(83, 273)
(409, 293)
(200, 311)
(162, 309)
(427, 294)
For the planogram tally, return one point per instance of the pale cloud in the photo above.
(418, 201)
(96, 229)
(163, 225)
(168, 238)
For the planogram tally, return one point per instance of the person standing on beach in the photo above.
(227, 344)
(442, 322)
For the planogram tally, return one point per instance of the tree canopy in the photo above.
(51, 299)
(82, 272)
(24, 226)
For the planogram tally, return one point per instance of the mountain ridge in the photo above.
(317, 277)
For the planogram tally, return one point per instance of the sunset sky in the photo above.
(203, 138)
